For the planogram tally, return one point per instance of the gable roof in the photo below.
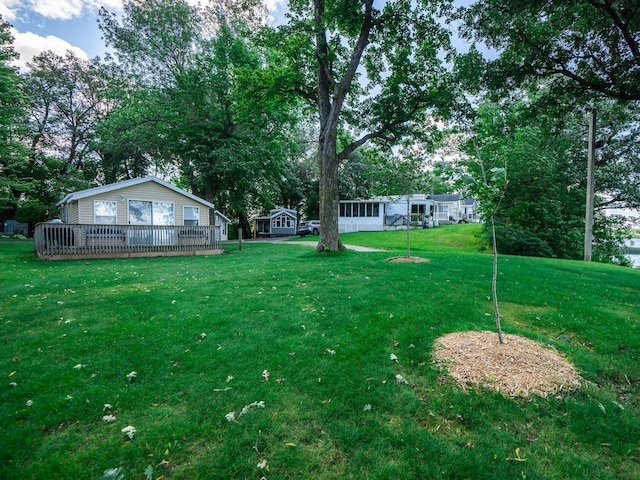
(222, 215)
(277, 211)
(72, 197)
(450, 197)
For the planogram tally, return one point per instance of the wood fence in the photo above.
(63, 241)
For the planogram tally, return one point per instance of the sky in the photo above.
(61, 25)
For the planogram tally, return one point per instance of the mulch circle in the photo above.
(518, 368)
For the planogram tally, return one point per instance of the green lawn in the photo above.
(201, 333)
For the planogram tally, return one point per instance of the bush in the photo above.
(519, 241)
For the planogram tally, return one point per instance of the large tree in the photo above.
(582, 44)
(14, 172)
(67, 98)
(376, 72)
(189, 108)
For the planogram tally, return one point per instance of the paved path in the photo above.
(355, 248)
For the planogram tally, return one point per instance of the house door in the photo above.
(142, 212)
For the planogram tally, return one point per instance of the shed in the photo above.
(223, 222)
(280, 222)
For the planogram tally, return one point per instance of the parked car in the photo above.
(312, 227)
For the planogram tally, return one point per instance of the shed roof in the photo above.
(277, 211)
(72, 197)
(220, 214)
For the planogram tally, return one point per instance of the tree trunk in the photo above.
(329, 195)
(331, 97)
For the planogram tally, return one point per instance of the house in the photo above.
(280, 222)
(470, 210)
(390, 213)
(137, 217)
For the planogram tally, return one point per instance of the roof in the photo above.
(220, 214)
(469, 201)
(449, 197)
(72, 197)
(277, 211)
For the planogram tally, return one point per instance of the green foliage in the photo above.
(581, 45)
(324, 327)
(14, 174)
(540, 209)
(201, 105)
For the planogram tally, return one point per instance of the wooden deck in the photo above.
(62, 241)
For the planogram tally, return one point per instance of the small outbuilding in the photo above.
(280, 222)
(223, 222)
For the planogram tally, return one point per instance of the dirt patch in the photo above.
(518, 368)
(407, 259)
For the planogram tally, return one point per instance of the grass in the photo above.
(324, 327)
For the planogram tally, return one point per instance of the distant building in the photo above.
(280, 222)
(390, 212)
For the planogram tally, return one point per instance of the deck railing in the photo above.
(61, 241)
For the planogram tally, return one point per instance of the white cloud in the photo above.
(68, 9)
(29, 45)
(54, 9)
(57, 9)
(8, 9)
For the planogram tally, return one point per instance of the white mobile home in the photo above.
(390, 213)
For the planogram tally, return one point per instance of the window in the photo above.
(443, 212)
(418, 209)
(192, 215)
(150, 213)
(104, 212)
(282, 221)
(163, 213)
(359, 209)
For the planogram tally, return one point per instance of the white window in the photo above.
(282, 221)
(143, 212)
(192, 215)
(104, 212)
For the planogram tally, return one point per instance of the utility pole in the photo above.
(591, 160)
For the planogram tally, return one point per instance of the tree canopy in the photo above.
(374, 72)
(591, 45)
(14, 172)
(213, 97)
